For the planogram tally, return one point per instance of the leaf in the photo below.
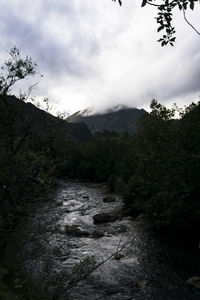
(185, 5)
(160, 28)
(179, 6)
(164, 43)
(192, 5)
(144, 2)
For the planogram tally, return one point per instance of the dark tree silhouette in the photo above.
(15, 69)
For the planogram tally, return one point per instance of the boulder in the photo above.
(104, 218)
(109, 199)
(75, 230)
(97, 234)
(118, 256)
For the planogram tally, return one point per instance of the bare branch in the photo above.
(184, 14)
(120, 247)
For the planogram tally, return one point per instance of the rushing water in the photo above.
(148, 269)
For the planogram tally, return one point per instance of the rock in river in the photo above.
(75, 230)
(118, 256)
(97, 234)
(103, 218)
(109, 199)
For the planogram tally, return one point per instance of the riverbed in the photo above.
(133, 263)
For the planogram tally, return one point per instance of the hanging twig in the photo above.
(186, 20)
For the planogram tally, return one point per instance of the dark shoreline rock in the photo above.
(85, 197)
(98, 234)
(75, 231)
(104, 218)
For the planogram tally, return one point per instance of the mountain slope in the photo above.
(120, 120)
(41, 123)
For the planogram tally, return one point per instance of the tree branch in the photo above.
(186, 20)
(74, 283)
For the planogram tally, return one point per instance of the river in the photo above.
(57, 260)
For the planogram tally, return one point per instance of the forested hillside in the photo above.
(32, 143)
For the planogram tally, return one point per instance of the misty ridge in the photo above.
(121, 119)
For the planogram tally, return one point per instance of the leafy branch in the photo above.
(165, 17)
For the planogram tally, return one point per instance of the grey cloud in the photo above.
(65, 8)
(52, 56)
(184, 80)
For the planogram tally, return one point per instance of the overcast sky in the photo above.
(96, 53)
